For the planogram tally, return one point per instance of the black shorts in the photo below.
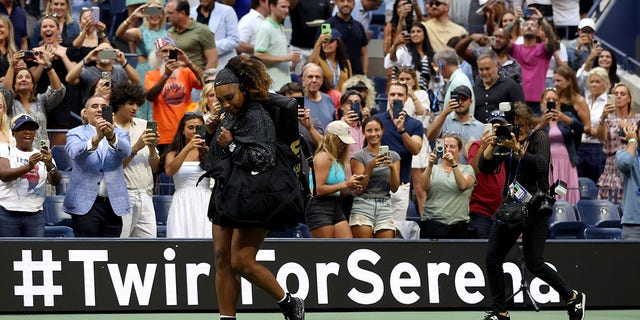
(324, 211)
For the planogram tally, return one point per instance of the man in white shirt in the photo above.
(250, 23)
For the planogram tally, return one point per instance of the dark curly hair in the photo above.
(253, 76)
(126, 91)
(180, 141)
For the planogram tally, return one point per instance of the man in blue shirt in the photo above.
(318, 102)
(404, 136)
(627, 162)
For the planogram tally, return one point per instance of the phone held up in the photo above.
(45, 144)
(201, 130)
(173, 54)
(439, 148)
(107, 113)
(397, 108)
(355, 107)
(153, 126)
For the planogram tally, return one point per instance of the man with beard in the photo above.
(169, 89)
(457, 119)
(353, 35)
(534, 57)
(507, 66)
(86, 75)
(319, 103)
(439, 28)
(494, 88)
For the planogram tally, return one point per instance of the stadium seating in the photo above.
(299, 231)
(161, 204)
(62, 159)
(58, 232)
(61, 188)
(598, 213)
(563, 222)
(380, 84)
(165, 185)
(412, 212)
(603, 233)
(588, 188)
(53, 214)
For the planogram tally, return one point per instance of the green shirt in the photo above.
(194, 41)
(445, 202)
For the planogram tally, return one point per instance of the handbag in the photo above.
(511, 213)
(247, 196)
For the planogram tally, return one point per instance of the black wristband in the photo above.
(402, 132)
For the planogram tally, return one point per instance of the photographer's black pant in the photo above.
(534, 235)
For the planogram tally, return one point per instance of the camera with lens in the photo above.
(503, 132)
(545, 201)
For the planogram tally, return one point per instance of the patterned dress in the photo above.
(610, 181)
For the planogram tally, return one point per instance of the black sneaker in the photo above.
(575, 308)
(496, 316)
(295, 309)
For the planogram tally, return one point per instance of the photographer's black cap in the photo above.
(498, 116)
(463, 90)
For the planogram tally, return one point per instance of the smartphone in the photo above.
(107, 113)
(325, 28)
(621, 132)
(491, 40)
(95, 14)
(551, 105)
(355, 107)
(29, 58)
(300, 101)
(527, 12)
(454, 96)
(488, 127)
(109, 54)
(405, 33)
(201, 130)
(45, 144)
(611, 99)
(397, 108)
(504, 106)
(173, 54)
(153, 126)
(439, 148)
(152, 11)
(384, 150)
(106, 76)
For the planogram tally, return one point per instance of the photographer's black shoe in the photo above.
(496, 316)
(575, 308)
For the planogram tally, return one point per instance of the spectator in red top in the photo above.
(486, 197)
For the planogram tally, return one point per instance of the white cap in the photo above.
(587, 22)
(342, 130)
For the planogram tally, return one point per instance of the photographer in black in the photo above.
(528, 166)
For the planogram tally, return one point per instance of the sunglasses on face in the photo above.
(586, 30)
(435, 3)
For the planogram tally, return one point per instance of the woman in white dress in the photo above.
(184, 161)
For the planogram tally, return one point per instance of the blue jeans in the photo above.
(21, 224)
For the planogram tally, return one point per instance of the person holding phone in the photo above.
(371, 213)
(97, 195)
(403, 134)
(143, 162)
(615, 121)
(330, 53)
(351, 106)
(565, 133)
(184, 160)
(24, 170)
(20, 92)
(414, 51)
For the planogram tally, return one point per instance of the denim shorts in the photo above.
(324, 211)
(375, 213)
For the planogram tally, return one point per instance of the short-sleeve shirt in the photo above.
(137, 173)
(488, 100)
(172, 102)
(378, 186)
(465, 130)
(27, 193)
(445, 202)
(248, 26)
(270, 39)
(393, 139)
(322, 110)
(194, 41)
(440, 33)
(534, 61)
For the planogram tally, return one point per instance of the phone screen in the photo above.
(107, 113)
(397, 108)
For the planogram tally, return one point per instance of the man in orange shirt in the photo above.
(169, 88)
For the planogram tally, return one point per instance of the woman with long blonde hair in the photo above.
(325, 216)
(7, 44)
(69, 29)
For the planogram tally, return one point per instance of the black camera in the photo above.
(503, 132)
(545, 201)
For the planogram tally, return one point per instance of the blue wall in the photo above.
(621, 27)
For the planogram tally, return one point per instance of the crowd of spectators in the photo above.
(377, 154)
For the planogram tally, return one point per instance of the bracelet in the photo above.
(402, 132)
(454, 166)
(47, 68)
(126, 63)
(632, 140)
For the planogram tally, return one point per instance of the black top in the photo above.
(487, 100)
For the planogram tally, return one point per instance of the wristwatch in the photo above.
(231, 146)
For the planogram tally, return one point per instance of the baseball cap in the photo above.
(463, 90)
(163, 42)
(587, 23)
(498, 116)
(335, 34)
(342, 130)
(21, 120)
